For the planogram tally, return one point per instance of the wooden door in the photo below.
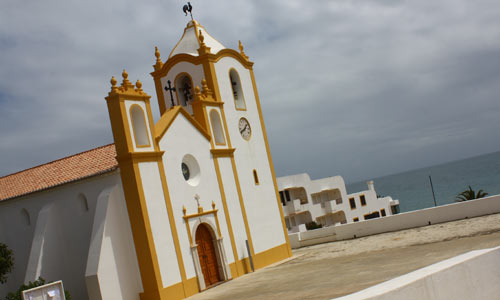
(206, 253)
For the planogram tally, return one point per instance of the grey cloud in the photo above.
(360, 89)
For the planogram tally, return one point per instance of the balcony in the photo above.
(294, 207)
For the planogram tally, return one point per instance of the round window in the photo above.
(190, 170)
(185, 171)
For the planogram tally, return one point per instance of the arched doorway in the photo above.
(207, 256)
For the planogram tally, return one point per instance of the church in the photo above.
(171, 207)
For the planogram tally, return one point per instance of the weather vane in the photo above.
(188, 8)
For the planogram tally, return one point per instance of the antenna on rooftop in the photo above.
(188, 8)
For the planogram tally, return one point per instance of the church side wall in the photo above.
(112, 268)
(260, 200)
(66, 234)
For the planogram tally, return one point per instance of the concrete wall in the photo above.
(418, 218)
(473, 275)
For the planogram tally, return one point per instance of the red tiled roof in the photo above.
(78, 166)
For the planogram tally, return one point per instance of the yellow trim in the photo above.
(222, 152)
(133, 126)
(226, 211)
(168, 118)
(278, 202)
(171, 219)
(355, 219)
(213, 128)
(242, 206)
(241, 87)
(132, 187)
(180, 75)
(160, 95)
(208, 212)
(140, 156)
(233, 164)
(176, 291)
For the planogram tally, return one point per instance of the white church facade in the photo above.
(326, 202)
(171, 207)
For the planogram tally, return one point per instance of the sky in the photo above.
(358, 88)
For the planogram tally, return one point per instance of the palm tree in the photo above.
(470, 194)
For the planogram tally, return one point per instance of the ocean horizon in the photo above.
(413, 189)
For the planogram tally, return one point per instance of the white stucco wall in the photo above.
(160, 225)
(63, 230)
(418, 218)
(260, 200)
(183, 138)
(112, 270)
(473, 275)
(318, 210)
(427, 216)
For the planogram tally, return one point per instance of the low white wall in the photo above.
(418, 218)
(473, 275)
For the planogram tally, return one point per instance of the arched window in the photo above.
(26, 216)
(139, 126)
(239, 100)
(184, 89)
(82, 202)
(217, 127)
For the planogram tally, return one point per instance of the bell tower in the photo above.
(226, 104)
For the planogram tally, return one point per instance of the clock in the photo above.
(244, 128)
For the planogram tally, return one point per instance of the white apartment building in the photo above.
(326, 202)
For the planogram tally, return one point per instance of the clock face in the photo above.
(244, 128)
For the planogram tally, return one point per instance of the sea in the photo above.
(413, 188)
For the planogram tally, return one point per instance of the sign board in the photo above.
(50, 291)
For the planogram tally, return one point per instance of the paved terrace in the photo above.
(339, 268)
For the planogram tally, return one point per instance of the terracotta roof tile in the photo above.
(78, 166)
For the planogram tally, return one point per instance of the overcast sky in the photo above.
(353, 88)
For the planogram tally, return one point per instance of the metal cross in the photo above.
(233, 86)
(188, 8)
(170, 89)
(186, 90)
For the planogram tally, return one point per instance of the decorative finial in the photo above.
(138, 85)
(241, 50)
(113, 83)
(188, 8)
(202, 38)
(213, 205)
(126, 83)
(184, 210)
(205, 90)
(157, 54)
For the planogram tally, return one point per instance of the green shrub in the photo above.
(312, 225)
(6, 262)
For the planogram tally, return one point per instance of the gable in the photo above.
(169, 117)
